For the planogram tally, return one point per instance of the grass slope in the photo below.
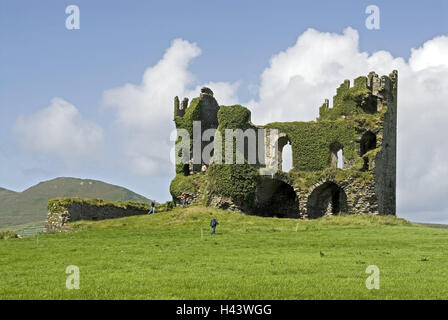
(17, 208)
(6, 192)
(163, 256)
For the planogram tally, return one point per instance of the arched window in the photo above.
(340, 156)
(337, 155)
(287, 158)
(367, 143)
(285, 162)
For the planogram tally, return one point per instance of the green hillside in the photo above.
(171, 255)
(6, 193)
(17, 208)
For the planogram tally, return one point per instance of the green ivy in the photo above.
(306, 179)
(189, 184)
(61, 204)
(193, 113)
(347, 100)
(234, 117)
(237, 181)
(311, 141)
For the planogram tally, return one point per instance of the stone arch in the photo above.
(337, 155)
(367, 143)
(326, 199)
(276, 198)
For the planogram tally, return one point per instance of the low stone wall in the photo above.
(61, 211)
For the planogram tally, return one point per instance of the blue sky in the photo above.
(118, 40)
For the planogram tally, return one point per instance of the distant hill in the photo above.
(6, 192)
(31, 205)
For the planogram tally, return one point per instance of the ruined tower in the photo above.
(345, 161)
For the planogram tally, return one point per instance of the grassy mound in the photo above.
(195, 217)
(172, 255)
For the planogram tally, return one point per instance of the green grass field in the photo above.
(164, 256)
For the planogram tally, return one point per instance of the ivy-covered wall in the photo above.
(63, 210)
(204, 109)
(312, 142)
(237, 182)
(349, 101)
(194, 186)
(234, 117)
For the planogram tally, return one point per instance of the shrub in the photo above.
(8, 234)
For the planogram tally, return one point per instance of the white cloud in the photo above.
(59, 130)
(301, 77)
(145, 111)
(432, 54)
(150, 102)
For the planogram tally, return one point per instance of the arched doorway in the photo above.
(276, 198)
(336, 155)
(326, 199)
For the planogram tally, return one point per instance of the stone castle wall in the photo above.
(61, 211)
(362, 124)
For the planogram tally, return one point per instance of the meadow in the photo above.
(172, 255)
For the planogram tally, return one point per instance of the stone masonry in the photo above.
(344, 162)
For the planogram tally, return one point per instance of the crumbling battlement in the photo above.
(345, 161)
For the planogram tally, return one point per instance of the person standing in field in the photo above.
(203, 169)
(153, 207)
(213, 224)
(184, 199)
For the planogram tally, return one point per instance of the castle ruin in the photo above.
(344, 162)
